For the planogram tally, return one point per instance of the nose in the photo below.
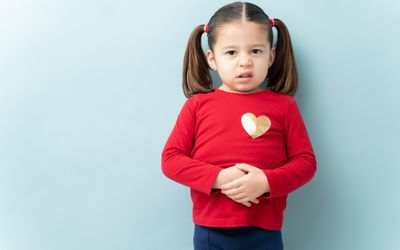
(245, 60)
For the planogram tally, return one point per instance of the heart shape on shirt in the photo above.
(255, 126)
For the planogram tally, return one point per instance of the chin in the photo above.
(248, 88)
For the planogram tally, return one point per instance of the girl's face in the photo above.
(241, 48)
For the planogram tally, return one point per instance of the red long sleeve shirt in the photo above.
(209, 135)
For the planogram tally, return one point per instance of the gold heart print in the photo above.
(255, 126)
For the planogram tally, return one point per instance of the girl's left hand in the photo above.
(247, 187)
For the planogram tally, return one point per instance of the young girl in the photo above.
(240, 148)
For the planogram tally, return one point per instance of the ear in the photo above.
(211, 59)
(272, 55)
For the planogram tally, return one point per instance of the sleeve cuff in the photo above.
(267, 195)
(208, 189)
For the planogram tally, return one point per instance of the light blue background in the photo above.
(90, 90)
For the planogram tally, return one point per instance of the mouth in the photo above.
(247, 74)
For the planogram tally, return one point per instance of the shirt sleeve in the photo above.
(301, 165)
(176, 161)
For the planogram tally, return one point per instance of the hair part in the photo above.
(282, 75)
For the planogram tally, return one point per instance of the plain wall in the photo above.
(90, 90)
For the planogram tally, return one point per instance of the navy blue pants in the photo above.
(236, 238)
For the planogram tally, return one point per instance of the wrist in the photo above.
(219, 180)
(266, 185)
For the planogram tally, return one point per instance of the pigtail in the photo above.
(282, 75)
(196, 77)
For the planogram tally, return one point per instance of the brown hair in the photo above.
(282, 75)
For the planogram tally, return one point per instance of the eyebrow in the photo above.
(254, 45)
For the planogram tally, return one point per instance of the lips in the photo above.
(245, 74)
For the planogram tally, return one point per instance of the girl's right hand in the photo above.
(229, 174)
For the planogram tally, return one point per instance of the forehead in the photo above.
(241, 34)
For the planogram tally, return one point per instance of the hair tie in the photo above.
(272, 22)
(206, 27)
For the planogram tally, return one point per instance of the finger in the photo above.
(244, 199)
(230, 185)
(238, 197)
(244, 167)
(247, 204)
(233, 191)
(256, 201)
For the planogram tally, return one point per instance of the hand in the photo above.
(230, 174)
(247, 187)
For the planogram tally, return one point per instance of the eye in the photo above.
(229, 52)
(259, 51)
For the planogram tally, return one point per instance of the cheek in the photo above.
(226, 70)
(263, 65)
